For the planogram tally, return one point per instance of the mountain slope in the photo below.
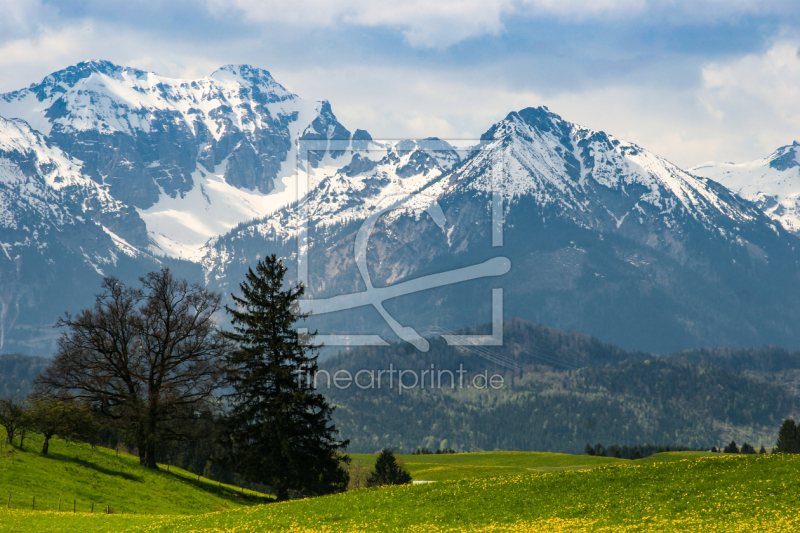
(60, 232)
(772, 183)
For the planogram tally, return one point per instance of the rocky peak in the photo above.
(785, 157)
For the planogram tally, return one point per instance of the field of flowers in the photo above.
(722, 493)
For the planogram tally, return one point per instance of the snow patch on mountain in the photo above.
(339, 194)
(181, 226)
(772, 183)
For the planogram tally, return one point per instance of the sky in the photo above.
(691, 80)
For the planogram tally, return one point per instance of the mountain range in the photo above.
(109, 170)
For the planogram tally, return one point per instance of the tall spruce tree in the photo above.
(279, 429)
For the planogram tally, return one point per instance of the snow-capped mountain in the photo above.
(109, 170)
(604, 237)
(772, 183)
(194, 157)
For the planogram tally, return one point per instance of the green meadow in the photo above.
(494, 491)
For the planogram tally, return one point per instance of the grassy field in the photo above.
(449, 467)
(77, 473)
(667, 492)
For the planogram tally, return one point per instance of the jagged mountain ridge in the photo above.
(347, 195)
(165, 145)
(603, 236)
(772, 183)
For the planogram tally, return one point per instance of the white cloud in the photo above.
(441, 23)
(743, 110)
(758, 94)
(424, 23)
(20, 18)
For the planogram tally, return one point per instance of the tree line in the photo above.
(149, 366)
(638, 451)
(788, 442)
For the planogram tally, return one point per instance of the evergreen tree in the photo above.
(762, 451)
(788, 438)
(748, 449)
(278, 428)
(388, 471)
(732, 447)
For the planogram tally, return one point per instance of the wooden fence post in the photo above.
(108, 509)
(8, 505)
(59, 505)
(33, 503)
(73, 506)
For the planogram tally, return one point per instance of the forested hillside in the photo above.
(561, 390)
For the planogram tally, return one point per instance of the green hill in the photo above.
(687, 493)
(100, 477)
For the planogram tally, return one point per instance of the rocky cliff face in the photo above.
(60, 232)
(149, 139)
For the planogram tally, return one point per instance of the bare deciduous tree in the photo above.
(145, 358)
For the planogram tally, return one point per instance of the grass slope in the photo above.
(718, 494)
(75, 472)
